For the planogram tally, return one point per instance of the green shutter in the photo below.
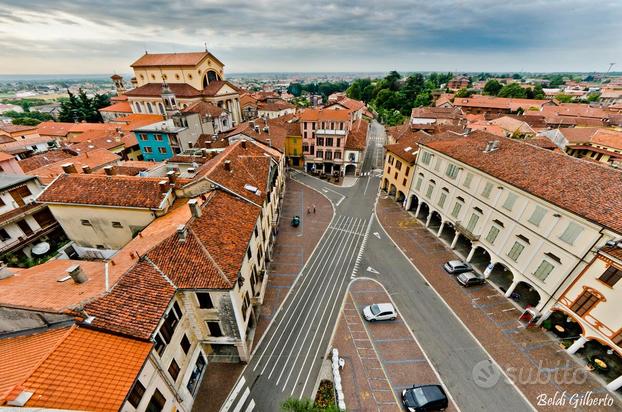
(492, 235)
(537, 216)
(487, 190)
(472, 222)
(516, 250)
(571, 233)
(509, 201)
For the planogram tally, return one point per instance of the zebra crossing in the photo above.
(240, 400)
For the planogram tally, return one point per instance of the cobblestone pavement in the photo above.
(528, 355)
(292, 248)
(381, 359)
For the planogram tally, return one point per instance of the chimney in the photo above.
(69, 168)
(243, 144)
(77, 274)
(194, 208)
(163, 186)
(227, 165)
(109, 170)
(181, 233)
(172, 176)
(191, 170)
(86, 169)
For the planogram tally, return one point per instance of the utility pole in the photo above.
(610, 67)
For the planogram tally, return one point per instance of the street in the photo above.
(287, 360)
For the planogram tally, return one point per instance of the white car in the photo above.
(379, 311)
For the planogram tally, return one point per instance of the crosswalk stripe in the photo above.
(251, 406)
(240, 404)
(234, 394)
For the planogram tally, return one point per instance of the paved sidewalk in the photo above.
(292, 248)
(381, 358)
(522, 353)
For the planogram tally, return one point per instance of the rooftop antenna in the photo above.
(205, 44)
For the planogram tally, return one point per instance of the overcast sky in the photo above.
(106, 36)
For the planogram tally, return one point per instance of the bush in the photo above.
(325, 396)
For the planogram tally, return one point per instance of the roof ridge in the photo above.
(210, 257)
(157, 268)
(64, 336)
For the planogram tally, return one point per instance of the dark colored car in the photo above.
(467, 279)
(422, 398)
(457, 266)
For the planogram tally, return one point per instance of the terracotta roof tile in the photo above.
(586, 189)
(21, 355)
(155, 89)
(95, 159)
(88, 370)
(38, 287)
(313, 115)
(43, 159)
(204, 108)
(214, 87)
(410, 140)
(357, 135)
(135, 303)
(92, 189)
(172, 59)
(119, 107)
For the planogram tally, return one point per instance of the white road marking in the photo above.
(251, 406)
(240, 403)
(372, 270)
(234, 394)
(377, 235)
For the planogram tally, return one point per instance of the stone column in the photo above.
(578, 344)
(418, 209)
(453, 242)
(440, 229)
(511, 288)
(615, 384)
(471, 252)
(428, 220)
(544, 317)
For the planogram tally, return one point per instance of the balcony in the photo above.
(467, 233)
(27, 239)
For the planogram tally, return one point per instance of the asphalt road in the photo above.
(287, 360)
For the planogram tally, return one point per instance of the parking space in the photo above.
(382, 358)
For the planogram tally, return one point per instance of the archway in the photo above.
(481, 259)
(602, 359)
(463, 246)
(448, 233)
(424, 210)
(563, 325)
(400, 197)
(392, 190)
(526, 295)
(435, 221)
(501, 276)
(385, 184)
(414, 201)
(350, 170)
(210, 76)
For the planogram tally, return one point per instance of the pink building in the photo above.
(324, 134)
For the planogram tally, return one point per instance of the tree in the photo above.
(492, 87)
(464, 92)
(513, 90)
(26, 121)
(516, 76)
(354, 91)
(563, 98)
(82, 108)
(413, 86)
(368, 93)
(305, 405)
(556, 80)
(295, 89)
(423, 99)
(593, 97)
(538, 93)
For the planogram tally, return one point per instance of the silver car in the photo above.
(457, 266)
(467, 279)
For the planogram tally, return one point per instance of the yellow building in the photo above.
(293, 145)
(191, 77)
(399, 164)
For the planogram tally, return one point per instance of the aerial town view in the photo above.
(279, 206)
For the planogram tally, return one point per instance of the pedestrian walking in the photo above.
(313, 209)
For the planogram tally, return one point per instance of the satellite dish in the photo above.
(41, 248)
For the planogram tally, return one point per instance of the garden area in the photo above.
(324, 401)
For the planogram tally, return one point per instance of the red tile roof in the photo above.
(314, 115)
(135, 304)
(92, 189)
(172, 59)
(204, 109)
(95, 159)
(42, 159)
(88, 370)
(120, 107)
(357, 136)
(451, 113)
(586, 189)
(155, 89)
(214, 87)
(491, 102)
(13, 128)
(408, 141)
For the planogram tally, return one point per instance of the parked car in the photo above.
(467, 279)
(379, 311)
(457, 266)
(424, 398)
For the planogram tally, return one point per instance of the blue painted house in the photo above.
(160, 141)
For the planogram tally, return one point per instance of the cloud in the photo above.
(100, 36)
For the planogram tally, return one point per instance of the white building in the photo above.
(527, 217)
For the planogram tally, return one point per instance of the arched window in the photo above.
(161, 108)
(138, 110)
(149, 108)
